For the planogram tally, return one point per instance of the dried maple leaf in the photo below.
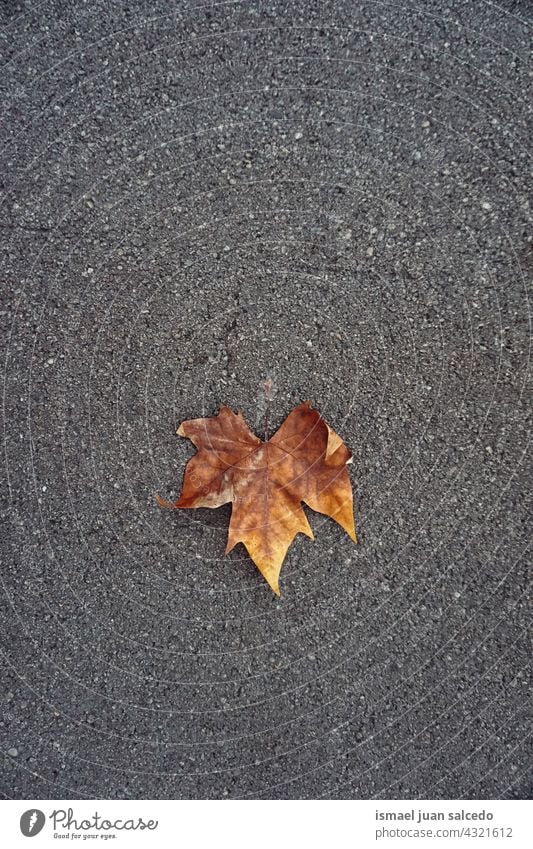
(266, 482)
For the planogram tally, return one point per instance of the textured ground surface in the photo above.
(196, 197)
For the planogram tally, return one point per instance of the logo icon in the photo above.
(31, 822)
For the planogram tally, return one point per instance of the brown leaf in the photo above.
(266, 482)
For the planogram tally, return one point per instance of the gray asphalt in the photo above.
(196, 197)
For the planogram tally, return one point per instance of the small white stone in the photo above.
(298, 135)
(50, 361)
(12, 752)
(370, 251)
(486, 205)
(425, 124)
